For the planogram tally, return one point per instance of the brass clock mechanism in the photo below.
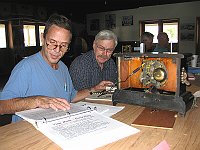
(153, 73)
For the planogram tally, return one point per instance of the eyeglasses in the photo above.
(101, 48)
(53, 45)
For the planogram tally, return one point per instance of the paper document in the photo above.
(79, 128)
(86, 131)
(34, 115)
(107, 110)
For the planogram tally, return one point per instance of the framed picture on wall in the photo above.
(127, 20)
(94, 25)
(188, 26)
(187, 36)
(187, 31)
(110, 21)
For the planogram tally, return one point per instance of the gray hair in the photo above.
(106, 35)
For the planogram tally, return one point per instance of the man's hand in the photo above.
(54, 103)
(13, 105)
(102, 85)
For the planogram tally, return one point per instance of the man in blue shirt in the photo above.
(42, 80)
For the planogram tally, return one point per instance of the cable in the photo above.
(115, 84)
(134, 71)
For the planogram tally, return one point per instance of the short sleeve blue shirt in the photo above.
(34, 76)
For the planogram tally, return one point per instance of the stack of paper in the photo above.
(80, 128)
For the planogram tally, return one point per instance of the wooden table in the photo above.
(185, 134)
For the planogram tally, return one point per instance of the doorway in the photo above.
(198, 36)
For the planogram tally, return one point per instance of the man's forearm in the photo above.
(16, 104)
(81, 95)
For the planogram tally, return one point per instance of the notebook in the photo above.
(78, 128)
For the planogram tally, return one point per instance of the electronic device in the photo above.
(153, 80)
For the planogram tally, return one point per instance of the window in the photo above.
(153, 28)
(2, 36)
(172, 31)
(169, 26)
(29, 35)
(41, 30)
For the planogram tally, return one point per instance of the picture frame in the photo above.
(94, 25)
(110, 21)
(187, 31)
(127, 20)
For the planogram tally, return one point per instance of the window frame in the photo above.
(37, 34)
(6, 33)
(160, 23)
(29, 34)
(40, 44)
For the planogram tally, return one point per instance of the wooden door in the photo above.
(198, 36)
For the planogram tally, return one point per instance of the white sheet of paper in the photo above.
(86, 131)
(107, 110)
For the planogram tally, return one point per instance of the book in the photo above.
(78, 128)
(33, 116)
(156, 118)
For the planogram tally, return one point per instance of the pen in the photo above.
(102, 93)
(65, 87)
